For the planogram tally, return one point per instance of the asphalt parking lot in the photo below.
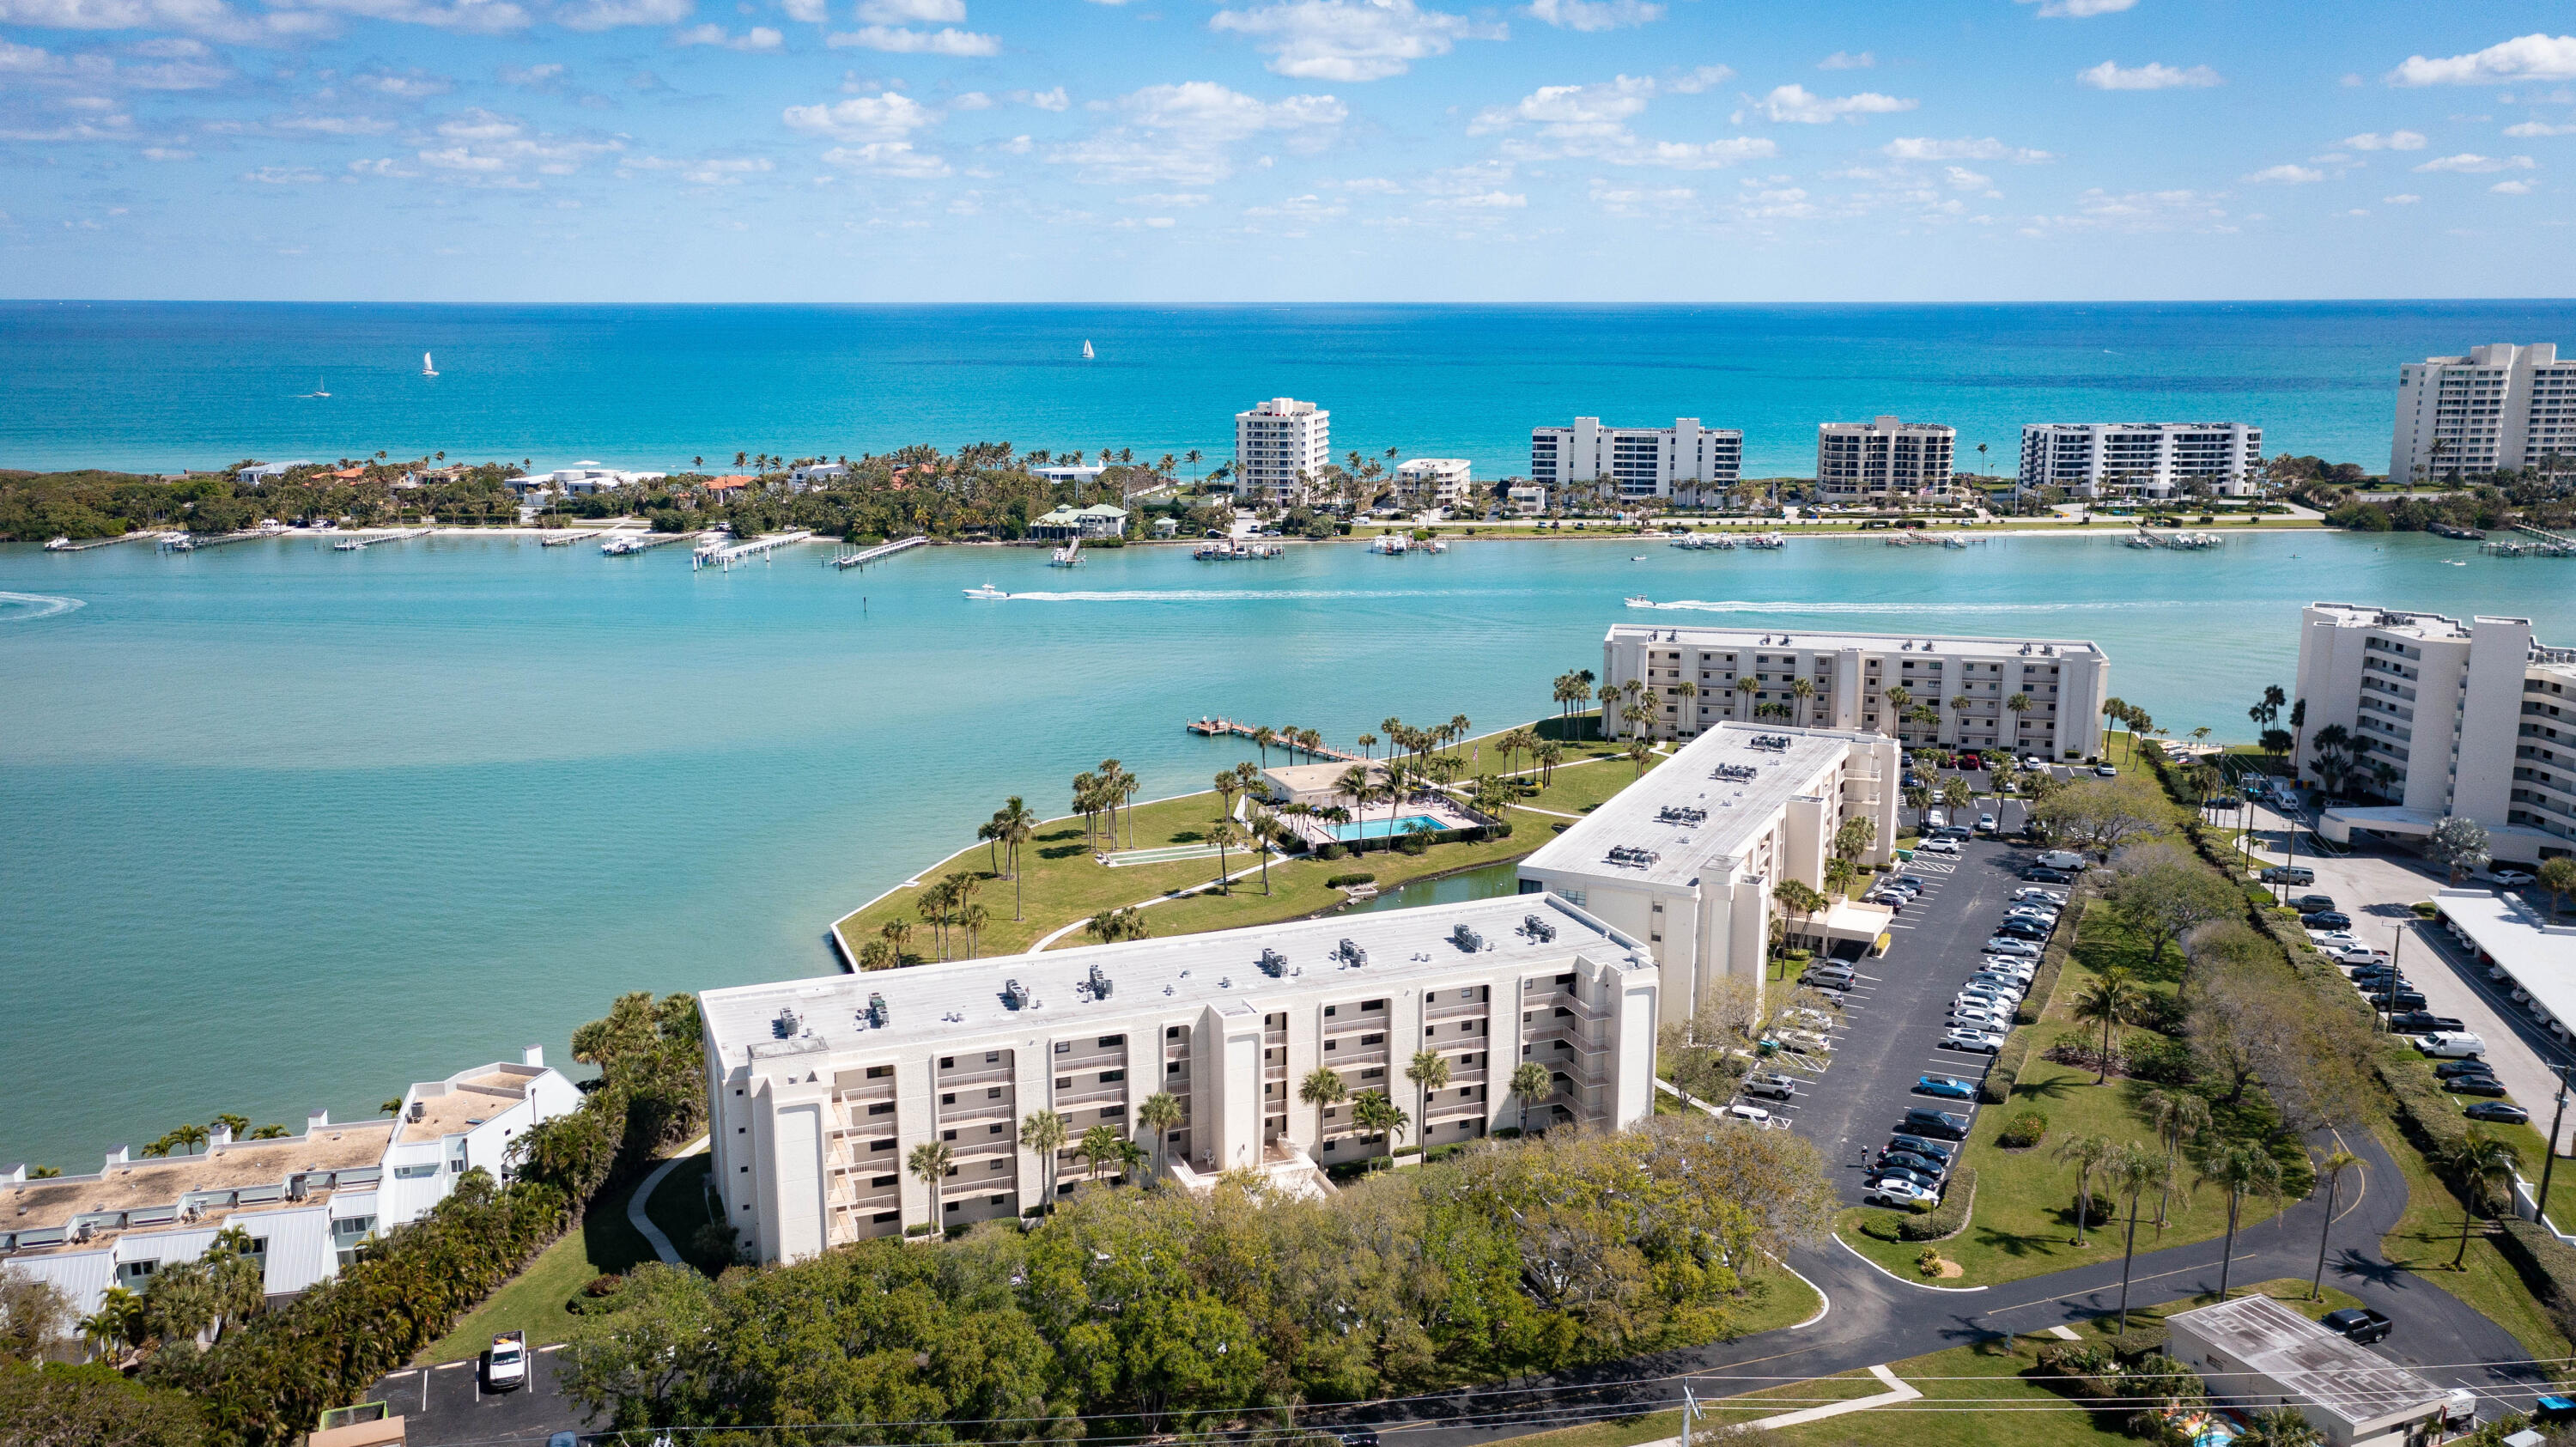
(1894, 1017)
(448, 1403)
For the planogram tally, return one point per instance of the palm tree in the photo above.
(2283, 1426)
(2131, 1169)
(929, 1164)
(2020, 705)
(2179, 1117)
(1161, 1114)
(2241, 1169)
(1804, 689)
(2112, 1000)
(1321, 1088)
(1530, 1081)
(1898, 696)
(2088, 1153)
(971, 919)
(2475, 1165)
(391, 1107)
(1192, 458)
(1042, 1134)
(2330, 1168)
(1262, 833)
(1796, 896)
(1376, 1115)
(1224, 835)
(1098, 1147)
(1959, 704)
(1262, 738)
(1014, 825)
(1744, 687)
(1428, 1071)
(896, 933)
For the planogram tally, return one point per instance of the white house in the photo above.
(472, 1118)
(1527, 498)
(1099, 520)
(2256, 1354)
(816, 474)
(268, 472)
(1429, 482)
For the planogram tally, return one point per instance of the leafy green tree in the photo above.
(2558, 877)
(2458, 844)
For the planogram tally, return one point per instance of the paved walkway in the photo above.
(643, 1224)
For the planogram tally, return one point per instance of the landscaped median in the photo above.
(1062, 883)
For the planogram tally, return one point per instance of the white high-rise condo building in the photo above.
(2499, 408)
(1687, 463)
(1689, 857)
(1883, 458)
(1280, 448)
(2440, 717)
(823, 1090)
(2141, 459)
(1434, 481)
(1697, 679)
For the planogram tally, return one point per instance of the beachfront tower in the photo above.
(1883, 460)
(1280, 448)
(1686, 463)
(2499, 408)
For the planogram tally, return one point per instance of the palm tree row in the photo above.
(949, 908)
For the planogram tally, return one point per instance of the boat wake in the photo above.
(1225, 595)
(1731, 605)
(28, 607)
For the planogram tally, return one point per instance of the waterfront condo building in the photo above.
(2499, 408)
(305, 1201)
(2141, 459)
(1686, 463)
(1844, 681)
(1428, 482)
(1883, 460)
(1690, 857)
(1280, 448)
(823, 1091)
(2438, 717)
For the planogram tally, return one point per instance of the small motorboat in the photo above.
(1641, 557)
(59, 545)
(349, 545)
(986, 593)
(1641, 601)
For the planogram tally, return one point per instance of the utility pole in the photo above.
(1690, 1414)
(2549, 1148)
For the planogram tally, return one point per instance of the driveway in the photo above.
(448, 1404)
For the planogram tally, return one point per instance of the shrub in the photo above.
(1414, 844)
(2023, 1131)
(1929, 1263)
(2097, 1214)
(2547, 1265)
(1331, 851)
(1946, 1219)
(604, 1285)
(917, 1228)
(2162, 1061)
(1340, 881)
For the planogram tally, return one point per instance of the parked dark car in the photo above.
(2289, 874)
(2359, 1323)
(2312, 903)
(2022, 929)
(1919, 1164)
(2449, 1068)
(2497, 1112)
(2474, 1085)
(1940, 1151)
(1900, 1173)
(2423, 1022)
(1938, 1124)
(2403, 1000)
(2326, 919)
(2047, 876)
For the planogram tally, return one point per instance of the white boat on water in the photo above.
(1434, 546)
(1068, 555)
(1086, 349)
(1640, 600)
(1767, 540)
(349, 545)
(1394, 545)
(986, 593)
(59, 545)
(426, 369)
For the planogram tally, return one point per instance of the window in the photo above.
(1112, 1077)
(1106, 1041)
(133, 1273)
(414, 1173)
(883, 1145)
(881, 1182)
(1064, 1047)
(947, 1062)
(992, 1057)
(948, 1099)
(875, 1072)
(1328, 1014)
(1171, 1032)
(948, 1135)
(881, 1218)
(883, 1107)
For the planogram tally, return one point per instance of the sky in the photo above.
(1255, 150)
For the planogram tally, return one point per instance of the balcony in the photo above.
(1090, 1093)
(1450, 1007)
(976, 1110)
(979, 1074)
(874, 1091)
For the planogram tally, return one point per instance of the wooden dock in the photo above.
(866, 556)
(625, 541)
(1214, 727)
(83, 547)
(726, 557)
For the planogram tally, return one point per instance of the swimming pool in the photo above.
(1381, 828)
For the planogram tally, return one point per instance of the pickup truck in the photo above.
(505, 1367)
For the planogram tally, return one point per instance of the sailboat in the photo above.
(1086, 349)
(426, 369)
(319, 390)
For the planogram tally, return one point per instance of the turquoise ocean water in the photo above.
(286, 827)
(282, 828)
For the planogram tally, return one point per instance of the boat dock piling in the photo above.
(83, 547)
(866, 556)
(726, 557)
(1222, 727)
(620, 544)
(567, 539)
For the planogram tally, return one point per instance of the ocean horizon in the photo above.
(161, 386)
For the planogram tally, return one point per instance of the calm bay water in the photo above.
(286, 827)
(163, 385)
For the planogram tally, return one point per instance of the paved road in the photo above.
(448, 1405)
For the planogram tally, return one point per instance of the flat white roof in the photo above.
(2540, 957)
(1684, 814)
(1928, 645)
(1169, 976)
(2329, 1371)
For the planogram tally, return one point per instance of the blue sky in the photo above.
(891, 150)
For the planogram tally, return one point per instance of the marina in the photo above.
(723, 555)
(2147, 537)
(880, 552)
(627, 544)
(66, 545)
(1237, 551)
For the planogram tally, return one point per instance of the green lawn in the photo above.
(2428, 1236)
(533, 1301)
(2024, 1220)
(1064, 883)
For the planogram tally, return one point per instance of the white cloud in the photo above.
(1845, 60)
(707, 171)
(1590, 121)
(2539, 128)
(1351, 40)
(210, 18)
(1926, 148)
(476, 17)
(887, 158)
(1792, 104)
(1482, 201)
(283, 176)
(895, 41)
(2511, 188)
(2400, 199)
(330, 125)
(911, 12)
(2286, 175)
(166, 153)
(1045, 100)
(2525, 57)
(611, 14)
(1965, 179)
(1187, 133)
(2079, 9)
(1165, 200)
(811, 12)
(2153, 75)
(1706, 77)
(2393, 141)
(1594, 14)
(973, 100)
(890, 116)
(413, 85)
(758, 37)
(2469, 163)
(532, 76)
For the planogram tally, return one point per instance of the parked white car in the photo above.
(2035, 892)
(2001, 945)
(1902, 1195)
(1983, 1042)
(1946, 848)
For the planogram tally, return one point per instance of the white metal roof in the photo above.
(1926, 645)
(1655, 814)
(2540, 957)
(2329, 1371)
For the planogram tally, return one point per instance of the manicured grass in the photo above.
(2428, 1236)
(533, 1301)
(1063, 882)
(1580, 790)
(2024, 1221)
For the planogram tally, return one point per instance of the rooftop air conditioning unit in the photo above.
(1466, 938)
(418, 1110)
(876, 1013)
(1537, 929)
(1273, 963)
(784, 1027)
(1350, 950)
(1101, 984)
(1015, 995)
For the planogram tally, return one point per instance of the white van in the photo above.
(2067, 860)
(2451, 1045)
